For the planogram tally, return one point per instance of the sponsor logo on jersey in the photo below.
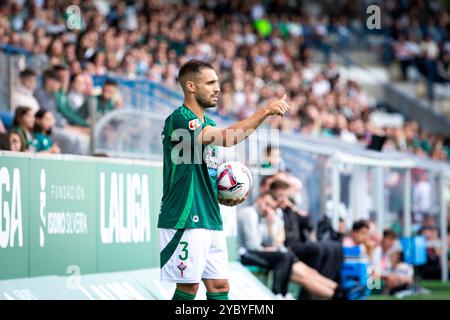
(211, 161)
(194, 124)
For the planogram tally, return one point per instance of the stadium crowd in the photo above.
(259, 50)
(421, 33)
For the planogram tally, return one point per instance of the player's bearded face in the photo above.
(205, 100)
(208, 90)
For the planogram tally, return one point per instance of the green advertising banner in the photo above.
(129, 196)
(68, 215)
(14, 217)
(63, 217)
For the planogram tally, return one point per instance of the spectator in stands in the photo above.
(16, 141)
(421, 198)
(296, 221)
(158, 44)
(42, 132)
(274, 159)
(71, 139)
(325, 257)
(432, 268)
(443, 68)
(109, 99)
(403, 55)
(76, 95)
(12, 141)
(261, 228)
(395, 274)
(23, 92)
(430, 52)
(64, 75)
(23, 123)
(326, 232)
(63, 101)
(360, 236)
(264, 184)
(51, 83)
(251, 233)
(374, 238)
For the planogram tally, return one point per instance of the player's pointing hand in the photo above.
(278, 107)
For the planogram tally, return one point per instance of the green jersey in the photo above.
(190, 170)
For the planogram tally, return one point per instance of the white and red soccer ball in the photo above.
(234, 181)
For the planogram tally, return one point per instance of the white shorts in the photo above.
(198, 254)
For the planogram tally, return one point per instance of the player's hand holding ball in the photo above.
(231, 202)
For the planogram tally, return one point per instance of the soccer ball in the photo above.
(234, 181)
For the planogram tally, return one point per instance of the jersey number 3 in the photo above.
(185, 254)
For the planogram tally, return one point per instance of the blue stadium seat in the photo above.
(414, 250)
(6, 118)
(354, 272)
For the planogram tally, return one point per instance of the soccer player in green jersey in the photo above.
(192, 242)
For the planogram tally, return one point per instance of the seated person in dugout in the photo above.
(326, 257)
(387, 258)
(261, 242)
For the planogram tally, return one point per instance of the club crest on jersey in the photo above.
(194, 124)
(182, 267)
(211, 160)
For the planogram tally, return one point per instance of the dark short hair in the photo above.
(389, 233)
(110, 82)
(51, 74)
(264, 180)
(360, 224)
(27, 73)
(268, 193)
(39, 115)
(428, 228)
(192, 66)
(270, 148)
(60, 67)
(279, 185)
